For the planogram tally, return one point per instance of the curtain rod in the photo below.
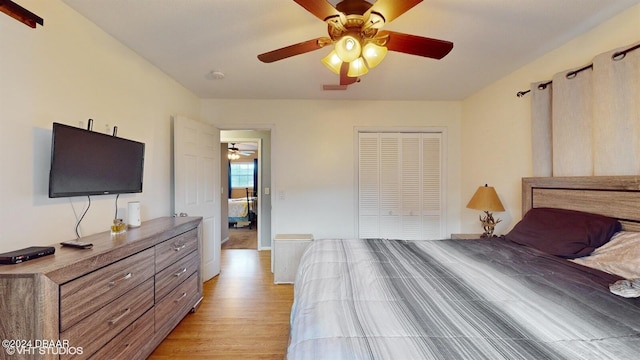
(571, 74)
(540, 87)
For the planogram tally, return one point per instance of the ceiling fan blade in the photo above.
(391, 9)
(344, 78)
(292, 50)
(319, 8)
(417, 45)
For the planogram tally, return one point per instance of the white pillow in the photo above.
(619, 256)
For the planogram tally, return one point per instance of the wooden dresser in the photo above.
(117, 300)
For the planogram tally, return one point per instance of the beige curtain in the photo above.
(541, 128)
(617, 107)
(587, 121)
(572, 124)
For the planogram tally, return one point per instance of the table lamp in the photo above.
(487, 200)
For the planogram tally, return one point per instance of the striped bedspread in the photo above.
(455, 299)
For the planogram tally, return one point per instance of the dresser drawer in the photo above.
(175, 248)
(169, 278)
(177, 303)
(103, 325)
(83, 296)
(132, 343)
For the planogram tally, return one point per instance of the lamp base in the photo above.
(488, 224)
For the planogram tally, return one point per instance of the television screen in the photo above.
(84, 162)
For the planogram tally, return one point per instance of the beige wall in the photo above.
(313, 162)
(69, 71)
(496, 125)
(240, 192)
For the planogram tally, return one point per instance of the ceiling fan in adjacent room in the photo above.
(234, 152)
(359, 44)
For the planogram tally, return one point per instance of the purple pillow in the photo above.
(565, 233)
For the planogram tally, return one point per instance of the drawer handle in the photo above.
(117, 318)
(124, 348)
(184, 295)
(116, 281)
(178, 247)
(179, 273)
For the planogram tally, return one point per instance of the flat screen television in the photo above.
(84, 162)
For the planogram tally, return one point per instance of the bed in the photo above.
(474, 299)
(242, 210)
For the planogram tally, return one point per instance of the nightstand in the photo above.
(288, 249)
(466, 236)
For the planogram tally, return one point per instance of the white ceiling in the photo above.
(188, 39)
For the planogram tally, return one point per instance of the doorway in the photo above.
(253, 150)
(242, 194)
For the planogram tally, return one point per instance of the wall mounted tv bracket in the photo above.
(90, 127)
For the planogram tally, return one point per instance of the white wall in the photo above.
(313, 162)
(68, 71)
(496, 125)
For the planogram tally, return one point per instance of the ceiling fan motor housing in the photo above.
(353, 7)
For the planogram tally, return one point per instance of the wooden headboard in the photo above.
(614, 196)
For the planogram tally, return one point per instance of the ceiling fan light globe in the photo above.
(332, 62)
(357, 68)
(374, 54)
(348, 48)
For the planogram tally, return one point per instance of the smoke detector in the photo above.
(214, 75)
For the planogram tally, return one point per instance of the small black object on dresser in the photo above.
(18, 256)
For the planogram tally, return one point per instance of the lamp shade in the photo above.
(348, 48)
(373, 54)
(332, 62)
(357, 68)
(485, 199)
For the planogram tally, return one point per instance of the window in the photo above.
(242, 175)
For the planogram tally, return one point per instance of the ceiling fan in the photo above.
(234, 153)
(359, 44)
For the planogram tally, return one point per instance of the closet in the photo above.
(400, 186)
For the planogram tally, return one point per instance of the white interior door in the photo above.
(196, 177)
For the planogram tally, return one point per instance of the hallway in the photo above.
(242, 238)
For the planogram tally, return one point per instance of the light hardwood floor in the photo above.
(242, 238)
(243, 314)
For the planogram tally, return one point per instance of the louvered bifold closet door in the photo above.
(390, 188)
(399, 186)
(368, 185)
(432, 205)
(411, 188)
